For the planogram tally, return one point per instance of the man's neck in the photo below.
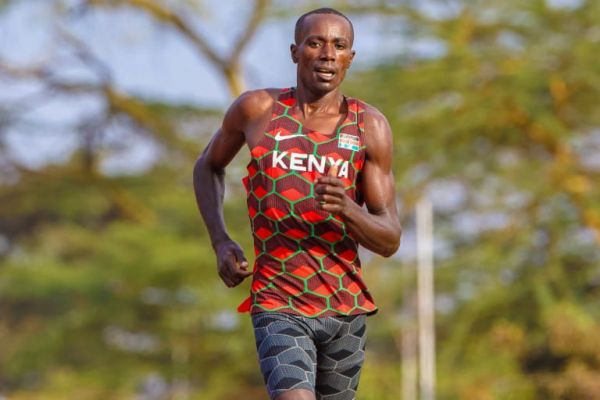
(310, 103)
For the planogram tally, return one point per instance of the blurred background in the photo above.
(108, 286)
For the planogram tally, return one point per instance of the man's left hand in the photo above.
(330, 192)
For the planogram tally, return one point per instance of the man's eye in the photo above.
(340, 46)
(314, 44)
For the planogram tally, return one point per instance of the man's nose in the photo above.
(328, 52)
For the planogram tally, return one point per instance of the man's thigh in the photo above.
(340, 360)
(286, 352)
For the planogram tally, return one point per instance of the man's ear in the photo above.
(293, 50)
(351, 59)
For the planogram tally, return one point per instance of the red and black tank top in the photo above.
(306, 262)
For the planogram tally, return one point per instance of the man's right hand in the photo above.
(231, 263)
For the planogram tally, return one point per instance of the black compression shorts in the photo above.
(324, 355)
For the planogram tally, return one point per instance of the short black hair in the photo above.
(324, 10)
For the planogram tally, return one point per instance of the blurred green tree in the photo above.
(499, 129)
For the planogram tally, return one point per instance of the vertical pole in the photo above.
(425, 299)
(409, 345)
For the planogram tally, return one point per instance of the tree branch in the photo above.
(168, 17)
(258, 14)
(228, 66)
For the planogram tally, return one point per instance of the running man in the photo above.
(316, 158)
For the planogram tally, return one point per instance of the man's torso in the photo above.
(306, 262)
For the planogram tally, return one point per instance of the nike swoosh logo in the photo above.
(279, 137)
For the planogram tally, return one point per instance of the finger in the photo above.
(333, 171)
(239, 281)
(331, 190)
(231, 267)
(329, 180)
(235, 272)
(328, 199)
(322, 188)
(239, 277)
(242, 274)
(229, 279)
(226, 280)
(331, 208)
(241, 259)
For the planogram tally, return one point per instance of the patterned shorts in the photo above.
(323, 355)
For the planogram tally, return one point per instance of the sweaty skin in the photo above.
(323, 55)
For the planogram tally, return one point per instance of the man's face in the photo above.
(323, 52)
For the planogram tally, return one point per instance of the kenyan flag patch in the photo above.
(349, 142)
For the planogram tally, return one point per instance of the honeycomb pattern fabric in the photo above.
(323, 355)
(306, 262)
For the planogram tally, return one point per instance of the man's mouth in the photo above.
(324, 73)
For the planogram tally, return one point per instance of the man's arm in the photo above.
(209, 187)
(377, 228)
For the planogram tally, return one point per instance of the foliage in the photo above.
(499, 131)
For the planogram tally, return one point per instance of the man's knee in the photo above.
(296, 394)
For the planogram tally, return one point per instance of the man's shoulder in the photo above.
(255, 103)
(374, 119)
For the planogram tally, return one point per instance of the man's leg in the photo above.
(297, 394)
(340, 360)
(287, 356)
